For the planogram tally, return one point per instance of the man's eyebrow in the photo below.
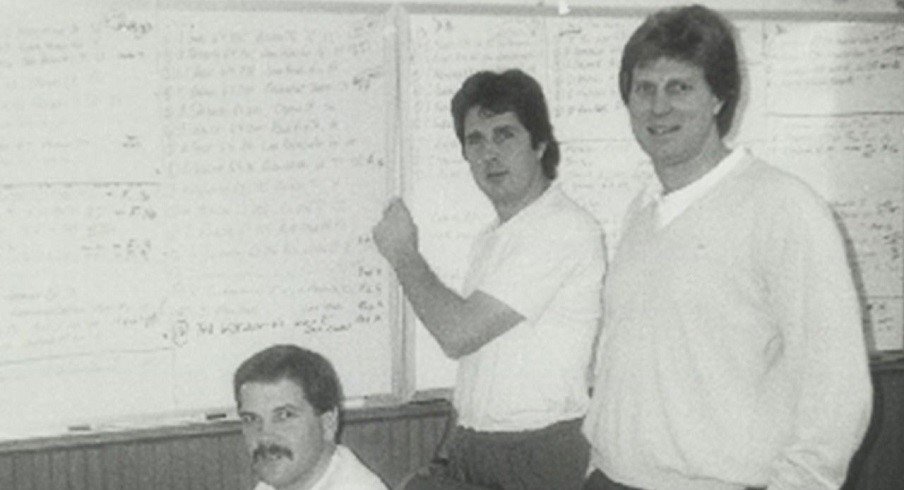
(286, 406)
(509, 127)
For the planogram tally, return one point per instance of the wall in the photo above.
(392, 441)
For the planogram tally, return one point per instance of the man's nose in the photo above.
(489, 154)
(661, 104)
(258, 427)
(269, 426)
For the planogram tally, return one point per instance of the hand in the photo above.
(396, 234)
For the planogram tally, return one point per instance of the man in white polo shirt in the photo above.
(524, 324)
(288, 400)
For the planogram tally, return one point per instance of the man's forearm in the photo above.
(460, 325)
(439, 308)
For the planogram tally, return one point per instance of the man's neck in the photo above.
(506, 210)
(674, 177)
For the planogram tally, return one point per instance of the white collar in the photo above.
(330, 469)
(671, 205)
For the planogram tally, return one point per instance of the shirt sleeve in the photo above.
(816, 307)
(533, 269)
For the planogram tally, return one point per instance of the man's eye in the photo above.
(285, 415)
(247, 419)
(679, 87)
(503, 135)
(643, 89)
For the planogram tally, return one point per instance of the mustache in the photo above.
(266, 450)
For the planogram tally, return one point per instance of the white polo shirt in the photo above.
(547, 263)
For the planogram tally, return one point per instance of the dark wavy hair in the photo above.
(693, 34)
(515, 91)
(308, 369)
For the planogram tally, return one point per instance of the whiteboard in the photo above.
(838, 123)
(185, 183)
(179, 189)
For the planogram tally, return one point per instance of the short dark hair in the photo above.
(515, 91)
(310, 370)
(693, 34)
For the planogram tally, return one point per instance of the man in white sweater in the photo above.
(288, 400)
(732, 353)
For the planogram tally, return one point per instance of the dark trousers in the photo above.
(554, 457)
(597, 480)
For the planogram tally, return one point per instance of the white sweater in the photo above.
(732, 350)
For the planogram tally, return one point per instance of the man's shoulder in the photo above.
(761, 174)
(782, 190)
(564, 215)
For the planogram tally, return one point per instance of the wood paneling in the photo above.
(392, 441)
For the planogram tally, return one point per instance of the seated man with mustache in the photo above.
(288, 400)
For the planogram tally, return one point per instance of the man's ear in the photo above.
(329, 420)
(540, 150)
(718, 107)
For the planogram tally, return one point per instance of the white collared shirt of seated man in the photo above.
(344, 472)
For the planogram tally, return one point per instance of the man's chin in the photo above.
(272, 471)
